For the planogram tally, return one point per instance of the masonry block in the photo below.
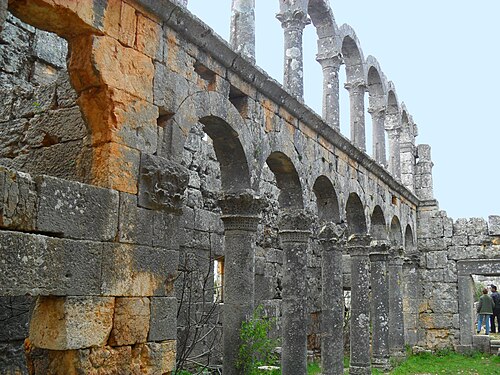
(50, 48)
(163, 323)
(135, 223)
(18, 200)
(12, 358)
(65, 323)
(494, 225)
(154, 358)
(481, 343)
(47, 265)
(138, 271)
(14, 318)
(76, 210)
(130, 322)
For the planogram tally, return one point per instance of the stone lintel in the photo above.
(299, 236)
(480, 267)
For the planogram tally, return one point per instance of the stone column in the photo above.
(466, 310)
(380, 304)
(393, 129)
(294, 235)
(423, 176)
(331, 66)
(332, 241)
(359, 250)
(293, 23)
(396, 318)
(357, 107)
(240, 215)
(243, 27)
(411, 297)
(407, 150)
(378, 120)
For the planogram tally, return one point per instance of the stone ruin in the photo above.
(141, 154)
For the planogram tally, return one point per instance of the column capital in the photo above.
(377, 111)
(330, 60)
(413, 260)
(293, 19)
(356, 86)
(359, 244)
(295, 225)
(396, 255)
(379, 248)
(331, 233)
(241, 211)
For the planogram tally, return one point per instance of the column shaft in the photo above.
(378, 119)
(332, 301)
(407, 151)
(357, 109)
(380, 305)
(243, 27)
(396, 318)
(394, 152)
(293, 23)
(240, 218)
(359, 249)
(331, 66)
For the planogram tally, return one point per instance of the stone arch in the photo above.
(378, 228)
(407, 126)
(355, 215)
(352, 54)
(287, 179)
(395, 233)
(326, 200)
(392, 100)
(409, 240)
(224, 125)
(324, 21)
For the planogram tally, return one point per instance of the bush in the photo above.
(256, 349)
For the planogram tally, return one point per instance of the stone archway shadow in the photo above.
(467, 268)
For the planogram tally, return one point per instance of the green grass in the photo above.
(313, 368)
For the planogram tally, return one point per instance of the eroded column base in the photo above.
(359, 370)
(381, 363)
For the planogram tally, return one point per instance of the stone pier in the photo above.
(243, 27)
(294, 236)
(357, 91)
(380, 304)
(331, 110)
(396, 318)
(240, 218)
(332, 299)
(359, 250)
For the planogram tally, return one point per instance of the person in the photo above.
(496, 310)
(484, 310)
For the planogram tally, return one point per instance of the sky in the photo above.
(441, 55)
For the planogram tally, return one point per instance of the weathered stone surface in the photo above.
(18, 200)
(62, 323)
(138, 271)
(14, 318)
(170, 89)
(50, 48)
(130, 321)
(135, 223)
(12, 358)
(163, 323)
(154, 358)
(77, 210)
(494, 225)
(161, 184)
(3, 13)
(48, 266)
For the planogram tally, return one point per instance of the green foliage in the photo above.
(313, 368)
(478, 290)
(256, 349)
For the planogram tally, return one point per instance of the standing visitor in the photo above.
(484, 310)
(496, 310)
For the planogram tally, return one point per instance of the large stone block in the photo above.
(135, 223)
(163, 324)
(12, 359)
(76, 210)
(170, 89)
(494, 225)
(3, 13)
(166, 231)
(39, 265)
(65, 323)
(14, 318)
(50, 48)
(436, 259)
(131, 321)
(161, 184)
(138, 271)
(154, 358)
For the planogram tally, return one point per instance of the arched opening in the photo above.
(377, 97)
(395, 234)
(378, 227)
(356, 219)
(409, 242)
(287, 179)
(326, 200)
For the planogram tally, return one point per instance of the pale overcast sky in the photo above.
(443, 58)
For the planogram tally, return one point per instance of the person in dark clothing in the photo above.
(496, 310)
(484, 308)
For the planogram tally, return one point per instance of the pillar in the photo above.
(380, 304)
(243, 27)
(378, 119)
(359, 250)
(411, 297)
(393, 128)
(294, 236)
(331, 66)
(293, 23)
(396, 318)
(240, 215)
(332, 242)
(424, 188)
(357, 107)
